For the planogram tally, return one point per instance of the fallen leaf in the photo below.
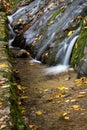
(65, 113)
(61, 88)
(67, 101)
(76, 107)
(80, 96)
(19, 87)
(69, 33)
(4, 65)
(66, 118)
(73, 100)
(24, 97)
(33, 127)
(39, 113)
(2, 126)
(85, 27)
(76, 45)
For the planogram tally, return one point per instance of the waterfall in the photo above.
(65, 65)
(12, 35)
(69, 50)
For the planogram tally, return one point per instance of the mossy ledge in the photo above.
(16, 114)
(15, 109)
(78, 50)
(17, 122)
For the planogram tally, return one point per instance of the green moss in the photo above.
(16, 114)
(78, 50)
(56, 13)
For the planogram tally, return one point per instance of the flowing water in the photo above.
(49, 93)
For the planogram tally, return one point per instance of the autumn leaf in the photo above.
(73, 100)
(76, 45)
(85, 27)
(70, 33)
(4, 65)
(2, 127)
(66, 118)
(38, 113)
(61, 88)
(33, 127)
(24, 97)
(20, 20)
(76, 107)
(80, 96)
(65, 113)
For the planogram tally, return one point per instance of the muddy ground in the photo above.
(50, 102)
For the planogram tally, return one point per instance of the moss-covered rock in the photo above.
(78, 50)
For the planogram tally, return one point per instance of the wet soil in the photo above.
(50, 102)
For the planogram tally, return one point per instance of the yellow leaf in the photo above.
(20, 20)
(76, 107)
(73, 100)
(19, 87)
(76, 45)
(23, 110)
(65, 113)
(85, 27)
(19, 103)
(4, 65)
(24, 97)
(69, 33)
(33, 127)
(80, 96)
(61, 88)
(66, 117)
(1, 103)
(39, 113)
(79, 84)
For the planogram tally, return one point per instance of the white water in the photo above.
(65, 66)
(69, 50)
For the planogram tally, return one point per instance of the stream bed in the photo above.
(49, 101)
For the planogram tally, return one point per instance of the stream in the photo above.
(41, 44)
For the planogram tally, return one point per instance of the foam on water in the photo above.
(56, 69)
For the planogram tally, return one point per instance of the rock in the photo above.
(82, 67)
(23, 54)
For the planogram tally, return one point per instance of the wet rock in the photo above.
(23, 54)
